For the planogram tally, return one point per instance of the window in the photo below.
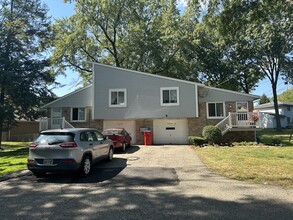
(242, 107)
(78, 114)
(170, 96)
(117, 97)
(99, 136)
(216, 110)
(288, 108)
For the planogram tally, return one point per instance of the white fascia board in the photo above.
(196, 101)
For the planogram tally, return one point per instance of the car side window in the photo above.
(94, 136)
(86, 136)
(99, 135)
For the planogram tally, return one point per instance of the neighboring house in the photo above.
(267, 114)
(173, 109)
(23, 131)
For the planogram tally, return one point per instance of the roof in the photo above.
(271, 105)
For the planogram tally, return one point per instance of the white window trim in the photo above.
(71, 113)
(169, 88)
(242, 102)
(125, 97)
(215, 117)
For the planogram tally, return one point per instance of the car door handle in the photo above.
(91, 144)
(101, 142)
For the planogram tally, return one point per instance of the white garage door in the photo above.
(128, 125)
(170, 131)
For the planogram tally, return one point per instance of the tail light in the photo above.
(68, 145)
(33, 145)
(30, 160)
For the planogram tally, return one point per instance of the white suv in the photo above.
(73, 149)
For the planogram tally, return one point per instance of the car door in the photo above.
(103, 144)
(127, 137)
(90, 143)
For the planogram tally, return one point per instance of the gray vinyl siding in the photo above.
(143, 95)
(79, 98)
(209, 94)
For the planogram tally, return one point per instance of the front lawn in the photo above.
(14, 157)
(260, 164)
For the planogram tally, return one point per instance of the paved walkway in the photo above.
(157, 182)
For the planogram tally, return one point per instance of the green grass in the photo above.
(264, 165)
(267, 136)
(14, 157)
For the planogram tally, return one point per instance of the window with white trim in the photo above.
(170, 96)
(117, 98)
(78, 114)
(215, 110)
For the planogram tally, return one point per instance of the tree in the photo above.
(264, 99)
(139, 35)
(24, 31)
(216, 60)
(286, 96)
(265, 40)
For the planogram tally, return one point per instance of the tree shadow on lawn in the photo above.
(19, 152)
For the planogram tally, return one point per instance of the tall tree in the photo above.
(213, 55)
(264, 38)
(139, 35)
(24, 31)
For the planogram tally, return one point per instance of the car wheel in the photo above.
(39, 174)
(86, 165)
(124, 147)
(110, 154)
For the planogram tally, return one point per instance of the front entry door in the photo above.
(242, 114)
(56, 119)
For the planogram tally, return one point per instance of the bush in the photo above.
(276, 141)
(196, 141)
(212, 134)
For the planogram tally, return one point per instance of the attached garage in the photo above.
(170, 131)
(128, 125)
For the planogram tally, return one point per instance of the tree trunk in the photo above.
(1, 129)
(276, 106)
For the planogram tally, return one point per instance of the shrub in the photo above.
(212, 134)
(276, 141)
(196, 141)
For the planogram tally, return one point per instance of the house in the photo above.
(267, 114)
(24, 130)
(173, 109)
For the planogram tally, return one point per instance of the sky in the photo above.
(59, 9)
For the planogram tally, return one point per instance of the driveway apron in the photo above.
(146, 182)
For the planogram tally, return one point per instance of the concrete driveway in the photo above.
(157, 182)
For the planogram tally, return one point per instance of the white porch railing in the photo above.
(239, 120)
(53, 123)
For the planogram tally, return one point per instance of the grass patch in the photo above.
(267, 136)
(265, 165)
(14, 157)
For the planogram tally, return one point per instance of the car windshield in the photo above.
(110, 132)
(54, 138)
